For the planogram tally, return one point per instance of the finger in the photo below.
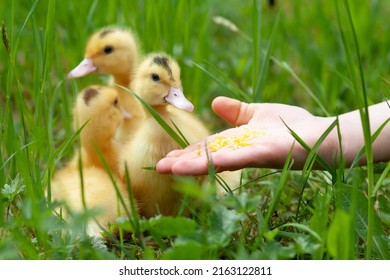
(230, 160)
(175, 153)
(233, 111)
(188, 149)
(164, 166)
(223, 160)
(197, 166)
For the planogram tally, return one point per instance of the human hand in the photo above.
(268, 144)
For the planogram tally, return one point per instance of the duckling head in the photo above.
(102, 104)
(110, 50)
(157, 81)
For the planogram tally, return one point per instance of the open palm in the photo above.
(269, 149)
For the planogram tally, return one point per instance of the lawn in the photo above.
(325, 56)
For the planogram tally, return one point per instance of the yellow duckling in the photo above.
(99, 192)
(98, 108)
(114, 51)
(157, 81)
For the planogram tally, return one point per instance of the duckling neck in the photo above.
(122, 79)
(162, 110)
(104, 142)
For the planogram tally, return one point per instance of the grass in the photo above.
(329, 58)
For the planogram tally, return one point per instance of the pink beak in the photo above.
(85, 67)
(176, 98)
(126, 114)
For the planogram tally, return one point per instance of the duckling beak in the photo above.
(84, 68)
(126, 115)
(176, 98)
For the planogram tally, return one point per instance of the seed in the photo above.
(233, 142)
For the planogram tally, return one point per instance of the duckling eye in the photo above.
(108, 49)
(155, 77)
(116, 102)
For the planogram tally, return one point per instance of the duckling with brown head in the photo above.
(99, 109)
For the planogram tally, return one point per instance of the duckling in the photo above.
(99, 109)
(114, 51)
(99, 193)
(157, 82)
(110, 50)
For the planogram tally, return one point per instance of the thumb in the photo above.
(233, 111)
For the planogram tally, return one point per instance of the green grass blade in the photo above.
(222, 80)
(312, 158)
(380, 246)
(278, 191)
(13, 155)
(156, 116)
(246, 184)
(284, 65)
(363, 150)
(30, 13)
(313, 151)
(256, 34)
(134, 210)
(91, 13)
(259, 82)
(223, 184)
(304, 228)
(54, 158)
(109, 173)
(381, 179)
(81, 173)
(211, 169)
(359, 85)
(130, 210)
(181, 134)
(48, 43)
